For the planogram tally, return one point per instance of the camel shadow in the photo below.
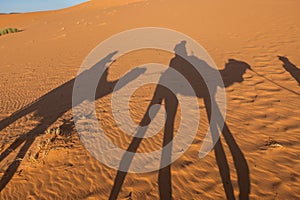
(291, 68)
(52, 106)
(232, 73)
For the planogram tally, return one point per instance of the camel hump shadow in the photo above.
(232, 73)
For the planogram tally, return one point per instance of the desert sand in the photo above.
(258, 156)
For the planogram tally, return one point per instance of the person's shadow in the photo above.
(232, 73)
(291, 68)
(52, 106)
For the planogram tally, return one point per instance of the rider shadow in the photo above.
(291, 68)
(51, 106)
(232, 73)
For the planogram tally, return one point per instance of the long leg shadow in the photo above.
(232, 73)
(291, 68)
(240, 162)
(171, 104)
(27, 140)
(51, 107)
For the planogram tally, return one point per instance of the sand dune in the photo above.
(258, 154)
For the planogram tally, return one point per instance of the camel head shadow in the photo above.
(290, 68)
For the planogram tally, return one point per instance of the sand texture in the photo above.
(258, 155)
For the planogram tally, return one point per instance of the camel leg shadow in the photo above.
(164, 177)
(240, 162)
(28, 140)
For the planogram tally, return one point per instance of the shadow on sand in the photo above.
(51, 107)
(54, 104)
(232, 73)
(291, 68)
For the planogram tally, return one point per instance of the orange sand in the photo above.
(263, 117)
